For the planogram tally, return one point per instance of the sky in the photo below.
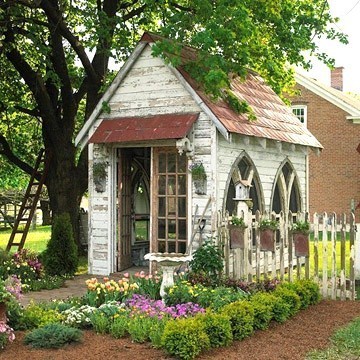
(348, 55)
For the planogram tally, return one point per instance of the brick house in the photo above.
(334, 118)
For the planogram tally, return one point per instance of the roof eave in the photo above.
(304, 81)
(82, 137)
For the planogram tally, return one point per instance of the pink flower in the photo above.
(126, 275)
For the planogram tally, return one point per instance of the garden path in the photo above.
(75, 287)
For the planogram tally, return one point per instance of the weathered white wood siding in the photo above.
(266, 160)
(149, 88)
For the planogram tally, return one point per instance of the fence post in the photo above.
(357, 251)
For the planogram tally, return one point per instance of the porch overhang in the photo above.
(134, 129)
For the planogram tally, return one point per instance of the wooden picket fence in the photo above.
(330, 261)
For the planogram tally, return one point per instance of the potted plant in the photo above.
(237, 228)
(268, 228)
(199, 177)
(100, 176)
(300, 232)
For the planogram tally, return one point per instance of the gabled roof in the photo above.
(338, 98)
(275, 120)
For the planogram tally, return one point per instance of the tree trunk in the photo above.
(46, 213)
(64, 186)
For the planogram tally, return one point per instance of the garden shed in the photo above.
(165, 160)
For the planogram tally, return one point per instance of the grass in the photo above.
(36, 239)
(345, 344)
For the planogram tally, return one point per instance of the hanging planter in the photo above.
(237, 228)
(300, 233)
(199, 177)
(267, 234)
(100, 176)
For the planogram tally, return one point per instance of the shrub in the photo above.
(185, 338)
(217, 328)
(279, 308)
(78, 317)
(263, 313)
(157, 330)
(6, 334)
(139, 328)
(290, 297)
(119, 326)
(308, 291)
(35, 315)
(14, 313)
(52, 336)
(208, 259)
(62, 262)
(100, 322)
(241, 315)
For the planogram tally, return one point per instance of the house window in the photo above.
(300, 111)
(170, 200)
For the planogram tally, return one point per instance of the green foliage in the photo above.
(197, 171)
(308, 291)
(208, 259)
(14, 313)
(241, 314)
(263, 314)
(100, 322)
(61, 256)
(139, 328)
(217, 328)
(238, 221)
(119, 326)
(290, 297)
(268, 224)
(301, 227)
(36, 315)
(280, 309)
(52, 336)
(185, 338)
(157, 331)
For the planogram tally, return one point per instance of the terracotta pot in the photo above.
(267, 240)
(3, 312)
(237, 237)
(301, 243)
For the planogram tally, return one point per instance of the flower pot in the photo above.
(267, 240)
(3, 312)
(200, 186)
(237, 237)
(301, 243)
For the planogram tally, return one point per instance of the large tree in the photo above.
(54, 63)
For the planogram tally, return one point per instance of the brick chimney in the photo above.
(337, 78)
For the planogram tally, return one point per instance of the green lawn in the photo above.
(36, 239)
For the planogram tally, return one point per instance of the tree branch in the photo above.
(31, 112)
(56, 18)
(5, 150)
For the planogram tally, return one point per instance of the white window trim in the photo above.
(302, 107)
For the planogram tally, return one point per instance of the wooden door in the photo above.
(169, 212)
(124, 259)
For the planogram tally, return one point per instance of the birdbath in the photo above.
(168, 263)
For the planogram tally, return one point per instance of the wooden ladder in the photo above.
(29, 202)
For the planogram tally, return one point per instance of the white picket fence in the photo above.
(331, 252)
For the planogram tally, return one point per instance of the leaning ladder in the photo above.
(29, 202)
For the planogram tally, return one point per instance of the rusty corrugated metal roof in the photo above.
(275, 120)
(157, 127)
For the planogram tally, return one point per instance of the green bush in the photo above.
(185, 338)
(279, 308)
(157, 331)
(14, 313)
(139, 328)
(119, 327)
(241, 314)
(308, 291)
(290, 297)
(35, 315)
(217, 328)
(100, 322)
(208, 259)
(263, 313)
(52, 336)
(61, 257)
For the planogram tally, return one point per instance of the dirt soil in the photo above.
(310, 329)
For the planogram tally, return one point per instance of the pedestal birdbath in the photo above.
(168, 263)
